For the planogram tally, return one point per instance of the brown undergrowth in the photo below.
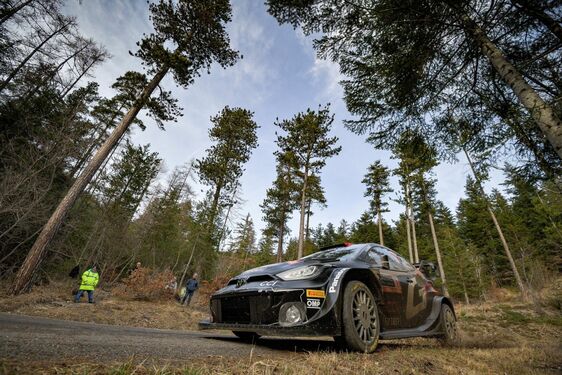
(117, 306)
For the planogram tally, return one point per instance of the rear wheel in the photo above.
(247, 336)
(450, 334)
(361, 326)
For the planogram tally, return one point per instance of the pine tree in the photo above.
(244, 242)
(234, 134)
(307, 142)
(280, 201)
(425, 59)
(378, 185)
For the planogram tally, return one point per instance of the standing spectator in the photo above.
(190, 288)
(90, 280)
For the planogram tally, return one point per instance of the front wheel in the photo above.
(450, 335)
(361, 326)
(247, 336)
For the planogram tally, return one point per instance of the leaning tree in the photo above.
(407, 61)
(189, 36)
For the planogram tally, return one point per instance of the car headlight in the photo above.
(300, 273)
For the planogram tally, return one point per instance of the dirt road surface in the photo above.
(43, 339)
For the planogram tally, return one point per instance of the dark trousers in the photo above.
(187, 298)
(81, 292)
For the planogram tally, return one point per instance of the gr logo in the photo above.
(313, 303)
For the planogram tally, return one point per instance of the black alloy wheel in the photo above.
(361, 323)
(449, 325)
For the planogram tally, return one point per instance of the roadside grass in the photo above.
(56, 301)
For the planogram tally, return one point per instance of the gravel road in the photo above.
(43, 339)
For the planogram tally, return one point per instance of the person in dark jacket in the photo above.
(190, 288)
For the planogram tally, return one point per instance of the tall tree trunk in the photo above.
(214, 207)
(307, 230)
(381, 238)
(522, 288)
(188, 262)
(409, 235)
(223, 231)
(35, 50)
(10, 12)
(412, 223)
(303, 208)
(535, 11)
(438, 253)
(543, 114)
(414, 239)
(508, 253)
(280, 241)
(92, 188)
(25, 274)
(94, 144)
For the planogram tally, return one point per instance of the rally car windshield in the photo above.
(338, 253)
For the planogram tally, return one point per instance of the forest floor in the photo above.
(502, 336)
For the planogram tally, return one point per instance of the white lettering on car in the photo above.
(268, 283)
(336, 281)
(313, 303)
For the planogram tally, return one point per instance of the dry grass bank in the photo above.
(56, 301)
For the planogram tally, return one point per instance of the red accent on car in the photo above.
(346, 244)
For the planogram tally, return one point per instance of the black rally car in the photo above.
(355, 293)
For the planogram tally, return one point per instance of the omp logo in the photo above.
(336, 280)
(313, 303)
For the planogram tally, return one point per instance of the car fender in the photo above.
(333, 292)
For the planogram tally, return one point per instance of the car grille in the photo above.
(260, 308)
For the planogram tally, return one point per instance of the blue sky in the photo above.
(278, 77)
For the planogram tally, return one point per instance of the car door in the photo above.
(417, 302)
(394, 284)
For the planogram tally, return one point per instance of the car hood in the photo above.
(275, 268)
(272, 269)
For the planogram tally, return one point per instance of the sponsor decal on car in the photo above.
(315, 293)
(336, 280)
(313, 303)
(268, 283)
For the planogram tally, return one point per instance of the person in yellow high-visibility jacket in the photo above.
(90, 280)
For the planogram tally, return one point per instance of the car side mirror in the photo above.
(385, 262)
(429, 269)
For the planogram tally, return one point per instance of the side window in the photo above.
(396, 263)
(405, 264)
(374, 256)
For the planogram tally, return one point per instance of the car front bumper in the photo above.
(312, 329)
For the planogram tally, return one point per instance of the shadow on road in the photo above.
(304, 345)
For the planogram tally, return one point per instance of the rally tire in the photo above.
(450, 335)
(247, 336)
(361, 324)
